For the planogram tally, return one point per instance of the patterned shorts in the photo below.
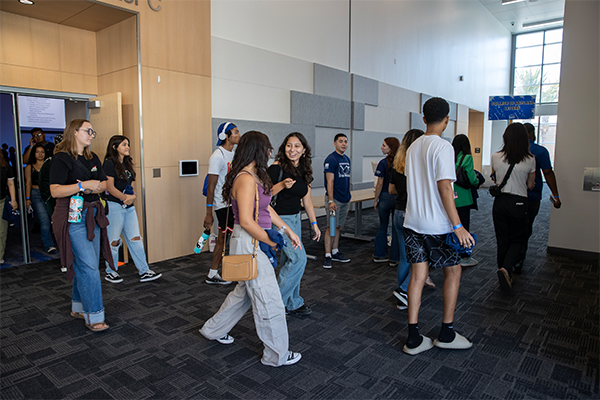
(429, 248)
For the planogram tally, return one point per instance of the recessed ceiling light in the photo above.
(26, 2)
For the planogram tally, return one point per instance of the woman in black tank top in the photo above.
(37, 156)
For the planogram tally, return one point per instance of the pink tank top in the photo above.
(264, 216)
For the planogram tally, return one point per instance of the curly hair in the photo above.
(304, 168)
(32, 159)
(253, 146)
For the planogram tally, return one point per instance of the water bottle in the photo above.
(75, 208)
(202, 241)
(332, 224)
(212, 242)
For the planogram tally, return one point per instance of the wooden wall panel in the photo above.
(77, 51)
(117, 47)
(175, 210)
(25, 77)
(177, 117)
(78, 83)
(185, 46)
(28, 42)
(476, 136)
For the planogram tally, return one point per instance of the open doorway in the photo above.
(30, 123)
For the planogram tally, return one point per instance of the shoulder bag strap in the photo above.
(274, 198)
(461, 161)
(505, 180)
(88, 174)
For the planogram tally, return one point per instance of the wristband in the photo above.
(80, 187)
(457, 226)
(313, 223)
(556, 197)
(329, 201)
(27, 198)
(209, 205)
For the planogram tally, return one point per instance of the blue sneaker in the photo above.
(327, 262)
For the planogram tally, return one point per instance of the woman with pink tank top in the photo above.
(249, 173)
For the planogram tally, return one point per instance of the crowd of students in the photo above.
(416, 187)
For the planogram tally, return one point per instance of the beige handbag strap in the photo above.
(255, 218)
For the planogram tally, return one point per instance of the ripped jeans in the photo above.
(124, 221)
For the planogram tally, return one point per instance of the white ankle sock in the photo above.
(212, 272)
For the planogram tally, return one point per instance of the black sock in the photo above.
(447, 332)
(414, 337)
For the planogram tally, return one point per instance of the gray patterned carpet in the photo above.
(540, 341)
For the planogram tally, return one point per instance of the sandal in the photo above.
(77, 315)
(97, 327)
(429, 282)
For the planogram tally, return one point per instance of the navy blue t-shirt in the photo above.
(542, 161)
(383, 171)
(339, 166)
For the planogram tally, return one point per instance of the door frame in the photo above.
(15, 92)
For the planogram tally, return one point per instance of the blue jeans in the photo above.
(385, 208)
(293, 262)
(403, 265)
(39, 208)
(87, 287)
(124, 221)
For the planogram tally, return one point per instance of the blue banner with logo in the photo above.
(511, 107)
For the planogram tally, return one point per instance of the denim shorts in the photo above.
(429, 248)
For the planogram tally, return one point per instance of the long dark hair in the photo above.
(461, 143)
(304, 168)
(407, 140)
(32, 159)
(253, 146)
(516, 143)
(113, 155)
(393, 143)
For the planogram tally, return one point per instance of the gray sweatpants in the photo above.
(263, 295)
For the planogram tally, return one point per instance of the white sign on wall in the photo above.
(42, 112)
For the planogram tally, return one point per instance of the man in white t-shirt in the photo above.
(219, 165)
(430, 216)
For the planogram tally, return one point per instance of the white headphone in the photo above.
(223, 134)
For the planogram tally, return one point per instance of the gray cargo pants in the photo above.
(263, 295)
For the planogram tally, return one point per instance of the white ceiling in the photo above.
(514, 15)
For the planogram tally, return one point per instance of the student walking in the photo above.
(291, 174)
(247, 179)
(513, 167)
(430, 217)
(122, 215)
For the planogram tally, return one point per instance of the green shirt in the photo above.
(464, 197)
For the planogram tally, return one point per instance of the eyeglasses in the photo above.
(89, 131)
(37, 135)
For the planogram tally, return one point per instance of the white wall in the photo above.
(576, 225)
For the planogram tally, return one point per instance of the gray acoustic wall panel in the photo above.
(453, 106)
(311, 109)
(365, 90)
(331, 82)
(358, 116)
(416, 121)
(275, 131)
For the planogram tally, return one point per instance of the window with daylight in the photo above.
(537, 65)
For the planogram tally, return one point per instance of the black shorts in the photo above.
(222, 216)
(429, 248)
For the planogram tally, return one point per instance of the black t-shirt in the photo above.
(66, 171)
(288, 200)
(5, 175)
(399, 180)
(120, 182)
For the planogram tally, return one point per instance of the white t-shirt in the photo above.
(428, 160)
(517, 181)
(219, 164)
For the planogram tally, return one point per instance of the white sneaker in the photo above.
(293, 358)
(225, 339)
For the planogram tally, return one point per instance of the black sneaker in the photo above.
(504, 279)
(216, 280)
(400, 305)
(518, 267)
(302, 310)
(113, 277)
(340, 257)
(51, 250)
(149, 276)
(327, 262)
(401, 295)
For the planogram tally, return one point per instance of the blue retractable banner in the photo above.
(511, 107)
